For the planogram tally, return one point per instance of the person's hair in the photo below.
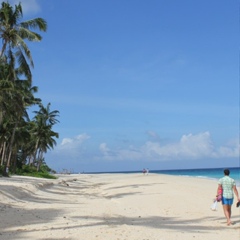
(226, 172)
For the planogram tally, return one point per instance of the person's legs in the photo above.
(227, 213)
(227, 209)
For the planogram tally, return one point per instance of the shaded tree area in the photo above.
(23, 141)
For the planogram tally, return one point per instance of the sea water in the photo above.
(210, 173)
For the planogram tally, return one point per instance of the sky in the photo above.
(139, 84)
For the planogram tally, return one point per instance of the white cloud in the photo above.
(72, 147)
(104, 149)
(232, 149)
(120, 154)
(153, 135)
(28, 6)
(74, 142)
(189, 147)
(66, 141)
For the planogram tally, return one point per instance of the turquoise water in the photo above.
(211, 173)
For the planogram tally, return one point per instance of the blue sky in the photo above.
(139, 83)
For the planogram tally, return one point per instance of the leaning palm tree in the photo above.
(13, 33)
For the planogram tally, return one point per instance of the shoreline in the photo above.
(113, 206)
(211, 173)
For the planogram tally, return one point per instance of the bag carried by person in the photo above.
(214, 205)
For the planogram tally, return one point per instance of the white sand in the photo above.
(113, 207)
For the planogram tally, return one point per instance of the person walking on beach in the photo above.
(228, 186)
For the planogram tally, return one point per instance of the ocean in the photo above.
(210, 173)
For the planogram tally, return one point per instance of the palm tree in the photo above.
(15, 62)
(20, 138)
(14, 33)
(15, 97)
(42, 133)
(21, 99)
(49, 117)
(45, 140)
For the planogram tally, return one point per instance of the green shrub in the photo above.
(40, 175)
(31, 171)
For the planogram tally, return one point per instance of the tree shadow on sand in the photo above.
(27, 220)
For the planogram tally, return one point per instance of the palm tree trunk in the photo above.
(3, 153)
(11, 145)
(3, 49)
(40, 160)
(35, 151)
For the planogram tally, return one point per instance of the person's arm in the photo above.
(236, 192)
(218, 189)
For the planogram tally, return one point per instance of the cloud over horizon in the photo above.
(189, 146)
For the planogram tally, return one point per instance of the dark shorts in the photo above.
(227, 201)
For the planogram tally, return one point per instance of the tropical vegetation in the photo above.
(23, 140)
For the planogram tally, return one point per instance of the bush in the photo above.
(31, 171)
(39, 175)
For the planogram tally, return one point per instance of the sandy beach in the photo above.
(114, 207)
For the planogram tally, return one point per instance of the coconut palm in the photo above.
(21, 138)
(15, 114)
(15, 62)
(42, 133)
(13, 33)
(15, 97)
(47, 116)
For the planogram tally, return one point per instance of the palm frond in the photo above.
(23, 65)
(37, 23)
(29, 35)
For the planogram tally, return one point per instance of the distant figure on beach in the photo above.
(228, 186)
(144, 171)
(147, 171)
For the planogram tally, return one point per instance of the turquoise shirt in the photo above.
(227, 185)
